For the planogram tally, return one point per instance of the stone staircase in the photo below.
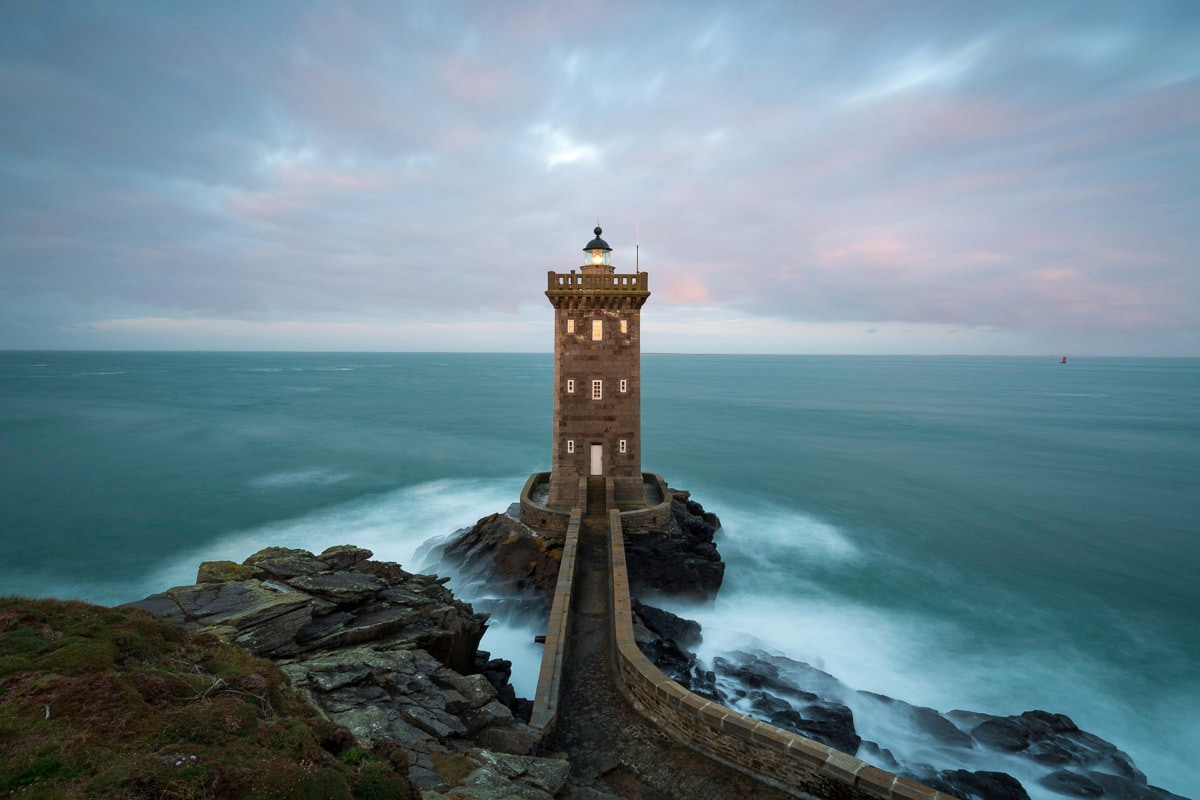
(596, 501)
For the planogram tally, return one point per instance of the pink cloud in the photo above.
(878, 252)
(684, 290)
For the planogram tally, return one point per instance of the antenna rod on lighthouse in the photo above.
(637, 251)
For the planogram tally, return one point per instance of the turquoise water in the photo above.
(991, 533)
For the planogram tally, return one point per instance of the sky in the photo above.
(796, 177)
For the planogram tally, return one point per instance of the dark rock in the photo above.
(1055, 740)
(1069, 783)
(881, 757)
(340, 587)
(827, 722)
(506, 554)
(1003, 733)
(679, 558)
(221, 571)
(377, 649)
(684, 632)
(1117, 787)
(285, 562)
(344, 556)
(983, 785)
(928, 720)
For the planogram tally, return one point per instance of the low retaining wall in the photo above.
(780, 757)
(646, 518)
(537, 515)
(547, 518)
(549, 685)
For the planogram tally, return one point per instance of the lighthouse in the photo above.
(597, 418)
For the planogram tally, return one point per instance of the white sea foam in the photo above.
(314, 476)
(394, 526)
(773, 599)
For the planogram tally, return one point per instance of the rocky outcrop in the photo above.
(809, 701)
(284, 603)
(678, 558)
(389, 654)
(508, 556)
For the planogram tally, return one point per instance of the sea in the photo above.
(993, 534)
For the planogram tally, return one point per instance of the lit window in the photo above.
(570, 387)
(622, 446)
(570, 445)
(624, 386)
(624, 326)
(597, 390)
(597, 330)
(570, 326)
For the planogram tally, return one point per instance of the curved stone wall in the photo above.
(780, 757)
(539, 515)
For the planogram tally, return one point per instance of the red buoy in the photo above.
(1064, 359)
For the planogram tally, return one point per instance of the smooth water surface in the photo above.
(991, 533)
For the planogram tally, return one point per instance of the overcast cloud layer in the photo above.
(801, 177)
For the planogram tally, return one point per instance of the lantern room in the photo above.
(598, 254)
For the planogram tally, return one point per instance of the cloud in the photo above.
(1017, 171)
(556, 147)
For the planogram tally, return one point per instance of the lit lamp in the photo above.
(598, 254)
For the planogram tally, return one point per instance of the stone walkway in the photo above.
(612, 748)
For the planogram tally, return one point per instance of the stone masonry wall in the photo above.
(554, 654)
(616, 416)
(754, 746)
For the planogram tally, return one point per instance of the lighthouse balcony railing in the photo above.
(579, 282)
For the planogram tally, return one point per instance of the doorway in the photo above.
(597, 459)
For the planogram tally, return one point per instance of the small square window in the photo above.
(624, 326)
(597, 330)
(622, 448)
(570, 387)
(570, 445)
(624, 386)
(570, 326)
(597, 390)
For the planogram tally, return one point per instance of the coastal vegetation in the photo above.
(115, 702)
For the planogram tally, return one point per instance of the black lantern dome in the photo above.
(599, 253)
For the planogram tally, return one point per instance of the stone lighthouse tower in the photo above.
(597, 377)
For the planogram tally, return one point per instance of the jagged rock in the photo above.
(546, 774)
(377, 649)
(221, 571)
(1054, 740)
(1070, 783)
(879, 756)
(344, 556)
(927, 720)
(788, 705)
(508, 555)
(519, 739)
(588, 793)
(982, 785)
(286, 562)
(1117, 787)
(340, 587)
(685, 632)
(679, 558)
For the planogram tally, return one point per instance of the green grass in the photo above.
(116, 703)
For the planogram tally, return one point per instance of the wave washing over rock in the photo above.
(971, 755)
(965, 753)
